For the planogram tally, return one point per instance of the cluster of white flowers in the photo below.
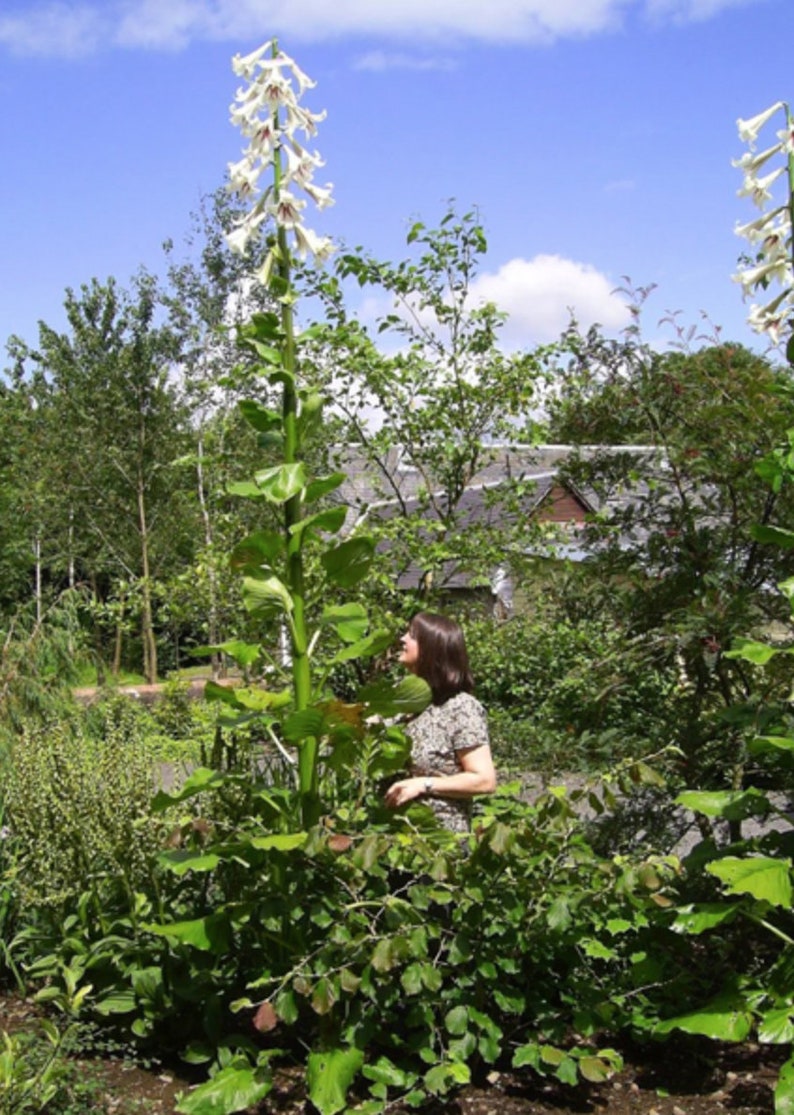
(771, 233)
(268, 112)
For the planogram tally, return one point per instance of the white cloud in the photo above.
(379, 60)
(540, 294)
(67, 28)
(60, 29)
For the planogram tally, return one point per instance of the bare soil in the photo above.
(681, 1077)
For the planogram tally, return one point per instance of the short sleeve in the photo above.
(470, 727)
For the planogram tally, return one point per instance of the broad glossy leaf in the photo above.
(281, 482)
(304, 724)
(244, 654)
(209, 934)
(457, 1020)
(350, 621)
(329, 1075)
(201, 779)
(750, 651)
(258, 550)
(367, 647)
(237, 1087)
(763, 877)
(705, 916)
(732, 805)
(784, 1089)
(320, 487)
(382, 698)
(385, 1071)
(776, 1027)
(348, 563)
(122, 1001)
(259, 416)
(328, 521)
(724, 1019)
(262, 597)
(775, 536)
(765, 745)
(180, 862)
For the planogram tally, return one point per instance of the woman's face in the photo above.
(409, 655)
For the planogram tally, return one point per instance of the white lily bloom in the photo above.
(287, 210)
(770, 270)
(755, 230)
(772, 317)
(750, 162)
(786, 137)
(749, 129)
(757, 189)
(308, 242)
(245, 66)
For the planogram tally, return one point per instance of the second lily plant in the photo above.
(770, 234)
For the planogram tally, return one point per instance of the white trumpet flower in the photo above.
(749, 129)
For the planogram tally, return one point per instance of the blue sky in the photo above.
(595, 136)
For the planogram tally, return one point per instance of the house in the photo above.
(392, 486)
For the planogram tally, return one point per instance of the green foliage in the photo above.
(568, 695)
(78, 810)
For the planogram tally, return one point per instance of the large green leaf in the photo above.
(209, 934)
(330, 1074)
(776, 1027)
(367, 647)
(763, 877)
(784, 1089)
(201, 779)
(258, 550)
(775, 536)
(382, 698)
(244, 654)
(320, 487)
(731, 805)
(262, 597)
(281, 482)
(237, 1087)
(764, 745)
(328, 521)
(750, 651)
(179, 862)
(259, 416)
(350, 621)
(700, 918)
(348, 563)
(726, 1018)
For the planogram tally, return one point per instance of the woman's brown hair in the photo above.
(443, 660)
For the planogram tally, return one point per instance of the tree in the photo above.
(435, 407)
(686, 575)
(120, 428)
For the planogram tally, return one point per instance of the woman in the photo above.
(450, 754)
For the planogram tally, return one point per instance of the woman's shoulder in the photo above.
(464, 705)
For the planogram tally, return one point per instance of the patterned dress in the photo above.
(437, 735)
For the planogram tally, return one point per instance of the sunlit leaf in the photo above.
(763, 877)
(348, 563)
(238, 1087)
(281, 482)
(329, 1075)
(732, 805)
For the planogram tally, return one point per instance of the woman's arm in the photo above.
(476, 776)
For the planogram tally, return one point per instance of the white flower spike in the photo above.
(268, 113)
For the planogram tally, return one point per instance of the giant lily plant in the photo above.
(276, 176)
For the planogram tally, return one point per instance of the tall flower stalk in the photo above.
(269, 113)
(770, 234)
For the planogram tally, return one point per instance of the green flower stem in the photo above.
(293, 512)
